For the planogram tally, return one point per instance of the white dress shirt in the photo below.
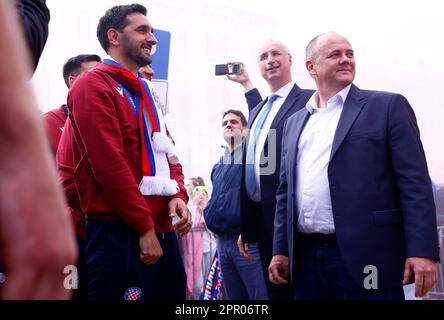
(282, 94)
(315, 214)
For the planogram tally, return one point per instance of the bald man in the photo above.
(355, 216)
(260, 176)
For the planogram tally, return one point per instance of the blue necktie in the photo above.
(250, 177)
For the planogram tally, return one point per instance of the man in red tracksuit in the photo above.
(128, 178)
(55, 123)
(66, 167)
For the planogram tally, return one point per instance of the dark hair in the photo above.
(197, 181)
(73, 65)
(116, 18)
(237, 113)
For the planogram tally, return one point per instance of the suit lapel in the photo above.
(251, 117)
(291, 99)
(300, 121)
(286, 106)
(352, 107)
(254, 112)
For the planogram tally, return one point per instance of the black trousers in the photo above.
(115, 271)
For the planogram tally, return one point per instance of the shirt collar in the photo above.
(108, 57)
(284, 91)
(342, 95)
(227, 149)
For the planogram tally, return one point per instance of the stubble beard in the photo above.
(133, 52)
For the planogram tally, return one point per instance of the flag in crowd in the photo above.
(213, 285)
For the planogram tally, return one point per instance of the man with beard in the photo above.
(129, 180)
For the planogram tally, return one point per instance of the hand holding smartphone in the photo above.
(229, 68)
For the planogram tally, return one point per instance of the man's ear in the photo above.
(113, 37)
(71, 80)
(310, 67)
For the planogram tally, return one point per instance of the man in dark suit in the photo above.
(355, 217)
(260, 175)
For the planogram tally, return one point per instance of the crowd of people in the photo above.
(319, 195)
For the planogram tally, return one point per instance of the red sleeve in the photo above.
(52, 124)
(96, 119)
(65, 165)
(177, 174)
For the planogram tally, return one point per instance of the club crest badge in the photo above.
(120, 91)
(133, 294)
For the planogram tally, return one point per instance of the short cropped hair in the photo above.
(197, 181)
(116, 18)
(312, 49)
(237, 113)
(73, 66)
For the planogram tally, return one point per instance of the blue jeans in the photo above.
(244, 280)
(114, 266)
(320, 274)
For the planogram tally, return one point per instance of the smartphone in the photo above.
(230, 68)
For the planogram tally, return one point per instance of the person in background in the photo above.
(56, 118)
(244, 279)
(65, 161)
(196, 244)
(147, 71)
(192, 183)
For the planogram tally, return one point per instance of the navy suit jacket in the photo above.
(257, 219)
(380, 189)
(253, 98)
